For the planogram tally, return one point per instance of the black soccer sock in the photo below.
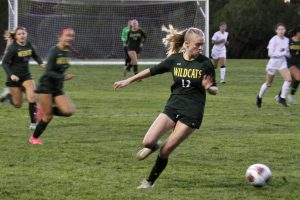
(294, 87)
(127, 62)
(159, 166)
(135, 69)
(57, 112)
(40, 129)
(128, 67)
(32, 111)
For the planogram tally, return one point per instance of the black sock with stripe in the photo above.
(32, 111)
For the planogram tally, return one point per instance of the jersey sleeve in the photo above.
(7, 59)
(162, 67)
(144, 36)
(35, 56)
(214, 37)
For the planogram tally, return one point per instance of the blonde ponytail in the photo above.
(175, 39)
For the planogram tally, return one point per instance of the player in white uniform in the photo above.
(218, 52)
(278, 50)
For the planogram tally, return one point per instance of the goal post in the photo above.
(98, 23)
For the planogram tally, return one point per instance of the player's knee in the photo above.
(69, 113)
(17, 104)
(31, 98)
(269, 85)
(149, 143)
(47, 117)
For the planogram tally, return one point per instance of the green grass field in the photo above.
(92, 154)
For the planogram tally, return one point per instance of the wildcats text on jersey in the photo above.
(25, 53)
(62, 60)
(190, 73)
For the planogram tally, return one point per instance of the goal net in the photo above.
(98, 23)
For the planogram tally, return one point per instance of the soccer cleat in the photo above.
(38, 114)
(292, 99)
(145, 185)
(258, 101)
(145, 152)
(33, 140)
(281, 101)
(223, 82)
(32, 126)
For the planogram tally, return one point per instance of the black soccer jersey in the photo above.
(58, 63)
(187, 93)
(135, 38)
(294, 48)
(16, 59)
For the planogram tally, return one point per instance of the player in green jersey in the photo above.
(124, 40)
(16, 66)
(53, 101)
(193, 75)
(135, 42)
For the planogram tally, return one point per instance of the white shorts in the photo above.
(276, 64)
(216, 54)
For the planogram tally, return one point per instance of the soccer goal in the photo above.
(98, 23)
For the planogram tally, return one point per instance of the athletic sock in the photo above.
(159, 166)
(129, 67)
(127, 62)
(285, 89)
(57, 112)
(40, 129)
(262, 90)
(222, 73)
(32, 111)
(294, 87)
(135, 69)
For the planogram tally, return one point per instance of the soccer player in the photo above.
(193, 75)
(53, 101)
(294, 62)
(278, 50)
(124, 40)
(218, 52)
(16, 66)
(135, 41)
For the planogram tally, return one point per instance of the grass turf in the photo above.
(92, 154)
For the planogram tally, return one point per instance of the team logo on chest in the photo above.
(187, 72)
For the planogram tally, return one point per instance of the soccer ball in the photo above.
(258, 175)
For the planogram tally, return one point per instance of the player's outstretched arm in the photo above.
(123, 83)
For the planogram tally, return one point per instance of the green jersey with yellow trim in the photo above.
(16, 59)
(187, 93)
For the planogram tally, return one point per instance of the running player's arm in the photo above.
(162, 67)
(124, 35)
(8, 56)
(50, 64)
(215, 39)
(210, 75)
(36, 57)
(144, 37)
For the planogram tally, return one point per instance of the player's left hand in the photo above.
(207, 81)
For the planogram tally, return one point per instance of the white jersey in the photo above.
(217, 37)
(278, 47)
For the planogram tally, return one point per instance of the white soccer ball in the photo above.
(258, 175)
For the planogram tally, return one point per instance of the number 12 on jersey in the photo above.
(186, 83)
